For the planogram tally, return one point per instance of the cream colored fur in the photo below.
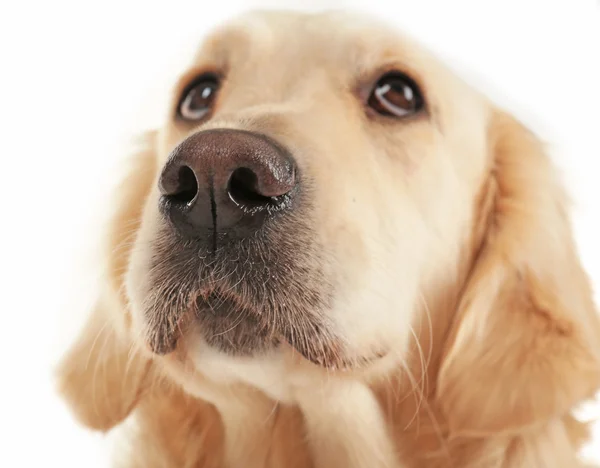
(450, 243)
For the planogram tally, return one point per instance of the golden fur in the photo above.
(470, 282)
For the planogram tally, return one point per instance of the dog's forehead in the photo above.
(334, 40)
(269, 53)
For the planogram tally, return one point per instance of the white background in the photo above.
(77, 79)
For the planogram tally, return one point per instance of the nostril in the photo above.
(186, 187)
(243, 189)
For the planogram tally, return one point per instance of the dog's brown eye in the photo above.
(396, 95)
(198, 98)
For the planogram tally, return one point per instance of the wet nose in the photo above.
(226, 180)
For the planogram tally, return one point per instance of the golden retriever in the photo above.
(336, 253)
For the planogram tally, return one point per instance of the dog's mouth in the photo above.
(245, 298)
(226, 321)
(234, 325)
(231, 325)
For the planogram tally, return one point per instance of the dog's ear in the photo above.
(102, 377)
(104, 374)
(525, 344)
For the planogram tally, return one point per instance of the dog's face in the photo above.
(314, 176)
(320, 187)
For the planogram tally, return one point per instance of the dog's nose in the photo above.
(226, 181)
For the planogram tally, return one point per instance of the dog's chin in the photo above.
(230, 326)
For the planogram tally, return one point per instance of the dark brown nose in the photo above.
(226, 181)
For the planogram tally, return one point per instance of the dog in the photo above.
(337, 253)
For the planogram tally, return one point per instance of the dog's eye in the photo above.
(395, 95)
(198, 98)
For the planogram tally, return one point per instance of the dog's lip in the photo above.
(337, 360)
(331, 356)
(208, 296)
(211, 292)
(166, 338)
(166, 342)
(334, 360)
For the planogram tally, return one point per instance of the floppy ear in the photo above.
(525, 344)
(104, 374)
